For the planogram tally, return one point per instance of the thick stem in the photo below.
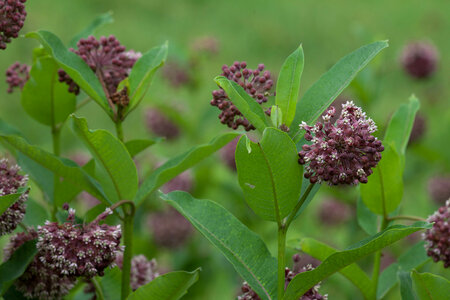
(56, 138)
(377, 261)
(119, 130)
(299, 205)
(128, 243)
(281, 259)
(98, 289)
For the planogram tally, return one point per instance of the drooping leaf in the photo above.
(135, 147)
(181, 163)
(246, 104)
(288, 85)
(14, 267)
(101, 20)
(352, 272)
(170, 286)
(73, 65)
(323, 92)
(251, 259)
(7, 200)
(339, 260)
(384, 190)
(430, 286)
(406, 286)
(367, 220)
(269, 174)
(44, 98)
(115, 165)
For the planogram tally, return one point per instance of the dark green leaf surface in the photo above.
(101, 20)
(170, 286)
(339, 260)
(246, 104)
(242, 247)
(135, 147)
(323, 92)
(116, 167)
(36, 213)
(110, 283)
(7, 200)
(430, 286)
(181, 163)
(367, 220)
(288, 85)
(406, 287)
(269, 174)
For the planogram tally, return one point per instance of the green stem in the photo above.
(281, 259)
(299, 205)
(56, 138)
(377, 261)
(128, 223)
(119, 130)
(98, 289)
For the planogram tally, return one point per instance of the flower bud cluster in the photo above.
(439, 188)
(160, 125)
(341, 153)
(334, 212)
(142, 270)
(418, 130)
(12, 18)
(17, 75)
(182, 182)
(176, 74)
(438, 237)
(75, 250)
(419, 59)
(257, 83)
(10, 182)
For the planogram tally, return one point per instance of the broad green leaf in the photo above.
(406, 287)
(243, 248)
(39, 174)
(7, 200)
(77, 69)
(323, 92)
(110, 283)
(415, 257)
(367, 220)
(36, 213)
(248, 106)
(135, 147)
(180, 163)
(116, 167)
(288, 85)
(339, 260)
(430, 286)
(142, 73)
(44, 98)
(62, 167)
(352, 272)
(269, 174)
(101, 20)
(384, 191)
(400, 126)
(276, 116)
(14, 267)
(170, 286)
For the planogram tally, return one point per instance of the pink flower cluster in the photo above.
(142, 270)
(17, 75)
(12, 18)
(438, 237)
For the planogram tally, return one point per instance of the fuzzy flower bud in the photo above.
(341, 153)
(38, 281)
(176, 74)
(142, 270)
(12, 18)
(419, 59)
(161, 125)
(107, 58)
(257, 83)
(75, 250)
(10, 182)
(439, 188)
(17, 75)
(333, 212)
(438, 237)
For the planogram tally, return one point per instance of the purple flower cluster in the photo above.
(12, 18)
(176, 74)
(182, 182)
(419, 59)
(333, 212)
(438, 237)
(74, 250)
(142, 270)
(341, 153)
(418, 130)
(160, 125)
(439, 188)
(17, 75)
(10, 182)
(257, 83)
(312, 294)
(38, 281)
(107, 58)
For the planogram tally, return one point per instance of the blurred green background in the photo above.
(258, 31)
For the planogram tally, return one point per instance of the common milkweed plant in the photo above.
(298, 146)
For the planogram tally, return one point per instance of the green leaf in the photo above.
(400, 126)
(352, 272)
(39, 174)
(117, 171)
(170, 286)
(276, 116)
(14, 267)
(406, 287)
(413, 258)
(430, 286)
(77, 69)
(339, 260)
(101, 20)
(243, 248)
(110, 283)
(135, 147)
(384, 191)
(36, 213)
(269, 174)
(367, 220)
(312, 193)
(44, 98)
(288, 85)
(323, 92)
(248, 106)
(142, 73)
(181, 163)
(7, 200)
